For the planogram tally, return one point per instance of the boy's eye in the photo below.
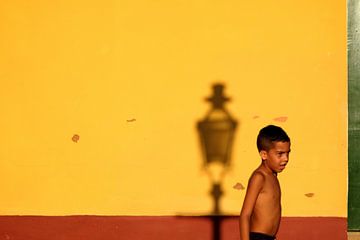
(280, 154)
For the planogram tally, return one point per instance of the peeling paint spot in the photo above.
(131, 120)
(256, 117)
(280, 119)
(309, 195)
(75, 138)
(238, 186)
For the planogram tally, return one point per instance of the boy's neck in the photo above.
(267, 169)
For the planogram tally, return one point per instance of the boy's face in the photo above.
(277, 157)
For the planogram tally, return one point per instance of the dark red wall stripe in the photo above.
(158, 228)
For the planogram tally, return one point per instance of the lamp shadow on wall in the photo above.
(216, 136)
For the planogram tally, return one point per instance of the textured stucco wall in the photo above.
(129, 78)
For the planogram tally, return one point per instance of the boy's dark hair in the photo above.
(270, 134)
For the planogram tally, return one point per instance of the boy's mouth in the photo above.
(283, 165)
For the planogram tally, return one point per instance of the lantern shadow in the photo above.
(216, 135)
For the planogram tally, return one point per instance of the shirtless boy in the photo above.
(261, 212)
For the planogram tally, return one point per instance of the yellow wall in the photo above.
(87, 67)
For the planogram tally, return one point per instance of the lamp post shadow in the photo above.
(216, 132)
(216, 217)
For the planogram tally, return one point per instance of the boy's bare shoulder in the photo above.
(258, 173)
(257, 177)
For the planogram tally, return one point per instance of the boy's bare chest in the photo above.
(271, 189)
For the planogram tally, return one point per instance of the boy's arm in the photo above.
(255, 185)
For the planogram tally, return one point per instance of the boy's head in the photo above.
(269, 135)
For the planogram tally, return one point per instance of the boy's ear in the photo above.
(263, 154)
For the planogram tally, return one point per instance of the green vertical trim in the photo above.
(354, 114)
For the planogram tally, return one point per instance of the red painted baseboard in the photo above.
(158, 228)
